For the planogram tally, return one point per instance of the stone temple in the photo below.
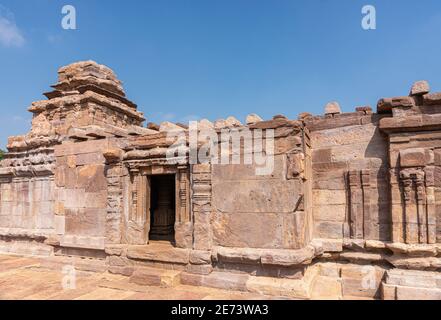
(351, 209)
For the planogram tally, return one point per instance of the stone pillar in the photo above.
(419, 206)
(138, 224)
(431, 204)
(184, 223)
(410, 208)
(397, 203)
(201, 185)
(114, 174)
(366, 187)
(356, 205)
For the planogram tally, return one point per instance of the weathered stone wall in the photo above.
(28, 204)
(274, 202)
(239, 196)
(81, 181)
(350, 177)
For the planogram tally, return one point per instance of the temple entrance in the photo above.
(162, 207)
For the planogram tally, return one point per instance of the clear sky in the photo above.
(186, 59)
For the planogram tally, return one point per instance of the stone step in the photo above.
(402, 284)
(80, 264)
(326, 288)
(155, 277)
(396, 292)
(281, 287)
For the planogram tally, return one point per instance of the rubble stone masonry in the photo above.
(351, 209)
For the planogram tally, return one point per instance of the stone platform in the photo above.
(29, 278)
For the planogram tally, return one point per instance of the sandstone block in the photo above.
(111, 155)
(169, 127)
(279, 287)
(413, 157)
(91, 177)
(328, 245)
(304, 115)
(232, 122)
(364, 109)
(256, 196)
(326, 288)
(432, 99)
(335, 213)
(203, 269)
(253, 118)
(200, 257)
(332, 108)
(220, 124)
(155, 277)
(387, 104)
(114, 249)
(288, 257)
(329, 197)
(410, 293)
(238, 255)
(170, 255)
(328, 229)
(388, 292)
(221, 280)
(420, 88)
(205, 124)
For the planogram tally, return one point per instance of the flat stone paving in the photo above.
(26, 278)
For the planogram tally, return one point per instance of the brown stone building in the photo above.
(350, 208)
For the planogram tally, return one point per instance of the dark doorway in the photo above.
(162, 208)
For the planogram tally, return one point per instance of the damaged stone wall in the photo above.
(350, 176)
(275, 202)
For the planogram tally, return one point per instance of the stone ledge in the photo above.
(159, 253)
(34, 234)
(416, 250)
(70, 241)
(410, 287)
(413, 278)
(414, 263)
(26, 248)
(276, 257)
(155, 277)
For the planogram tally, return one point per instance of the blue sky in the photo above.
(185, 59)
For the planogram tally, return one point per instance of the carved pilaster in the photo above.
(201, 186)
(114, 175)
(421, 208)
(431, 204)
(360, 204)
(355, 205)
(366, 188)
(183, 195)
(418, 215)
(183, 225)
(137, 224)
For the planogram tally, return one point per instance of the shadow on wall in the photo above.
(378, 150)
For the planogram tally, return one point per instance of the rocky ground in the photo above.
(31, 278)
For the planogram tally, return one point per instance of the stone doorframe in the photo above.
(138, 195)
